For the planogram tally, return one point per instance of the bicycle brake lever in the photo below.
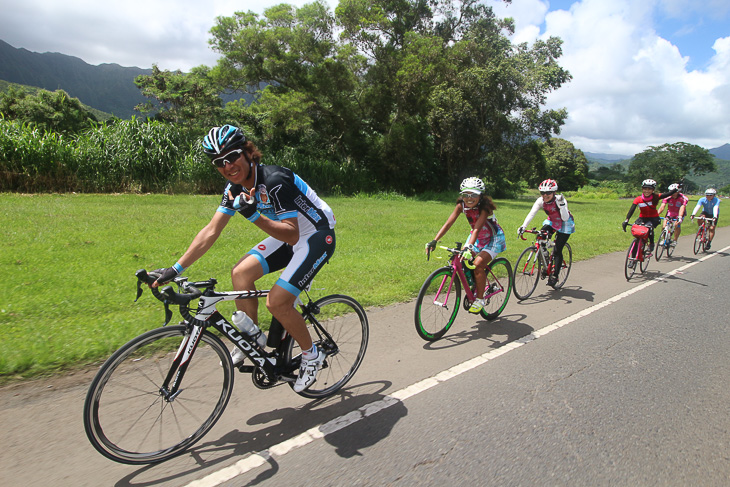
(168, 314)
(139, 290)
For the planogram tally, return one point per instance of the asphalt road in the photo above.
(603, 383)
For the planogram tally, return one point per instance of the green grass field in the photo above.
(69, 261)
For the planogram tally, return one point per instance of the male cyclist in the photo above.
(676, 206)
(301, 229)
(710, 209)
(647, 203)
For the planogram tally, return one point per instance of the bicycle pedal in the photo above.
(248, 369)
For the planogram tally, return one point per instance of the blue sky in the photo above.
(645, 72)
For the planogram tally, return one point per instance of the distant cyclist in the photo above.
(676, 206)
(486, 238)
(559, 221)
(710, 209)
(301, 241)
(647, 203)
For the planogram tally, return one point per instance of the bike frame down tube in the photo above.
(265, 361)
(459, 268)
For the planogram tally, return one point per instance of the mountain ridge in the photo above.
(107, 87)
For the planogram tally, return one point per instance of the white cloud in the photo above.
(631, 88)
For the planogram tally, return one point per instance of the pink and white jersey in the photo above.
(674, 204)
(490, 228)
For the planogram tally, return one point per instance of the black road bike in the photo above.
(164, 390)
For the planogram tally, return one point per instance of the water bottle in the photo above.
(469, 273)
(244, 323)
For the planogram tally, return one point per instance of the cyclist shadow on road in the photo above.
(499, 332)
(567, 293)
(283, 424)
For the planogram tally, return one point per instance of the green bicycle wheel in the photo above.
(499, 279)
(437, 304)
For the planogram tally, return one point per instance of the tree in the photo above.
(189, 99)
(564, 163)
(419, 92)
(669, 163)
(51, 111)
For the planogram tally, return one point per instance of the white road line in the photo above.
(257, 459)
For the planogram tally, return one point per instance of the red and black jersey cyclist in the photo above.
(648, 212)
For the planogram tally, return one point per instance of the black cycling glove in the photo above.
(625, 224)
(164, 275)
(246, 206)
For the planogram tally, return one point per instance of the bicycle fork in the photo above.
(441, 288)
(180, 364)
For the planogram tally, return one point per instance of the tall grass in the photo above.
(138, 156)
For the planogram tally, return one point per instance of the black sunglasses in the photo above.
(229, 158)
(547, 192)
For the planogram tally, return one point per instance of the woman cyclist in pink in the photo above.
(559, 220)
(486, 239)
(676, 206)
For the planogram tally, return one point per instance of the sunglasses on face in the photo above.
(547, 192)
(229, 158)
(469, 195)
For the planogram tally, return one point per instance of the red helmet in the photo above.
(548, 185)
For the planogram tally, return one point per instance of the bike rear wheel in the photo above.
(631, 254)
(527, 273)
(437, 304)
(499, 278)
(565, 267)
(127, 417)
(644, 262)
(339, 326)
(699, 241)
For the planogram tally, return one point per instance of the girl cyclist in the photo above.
(559, 220)
(676, 206)
(647, 203)
(486, 239)
(710, 209)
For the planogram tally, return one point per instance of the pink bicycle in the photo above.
(440, 296)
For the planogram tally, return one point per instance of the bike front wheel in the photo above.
(339, 326)
(699, 241)
(527, 273)
(565, 267)
(499, 280)
(129, 418)
(437, 304)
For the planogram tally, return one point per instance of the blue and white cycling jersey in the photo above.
(281, 194)
(709, 207)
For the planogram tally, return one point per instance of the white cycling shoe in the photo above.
(308, 371)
